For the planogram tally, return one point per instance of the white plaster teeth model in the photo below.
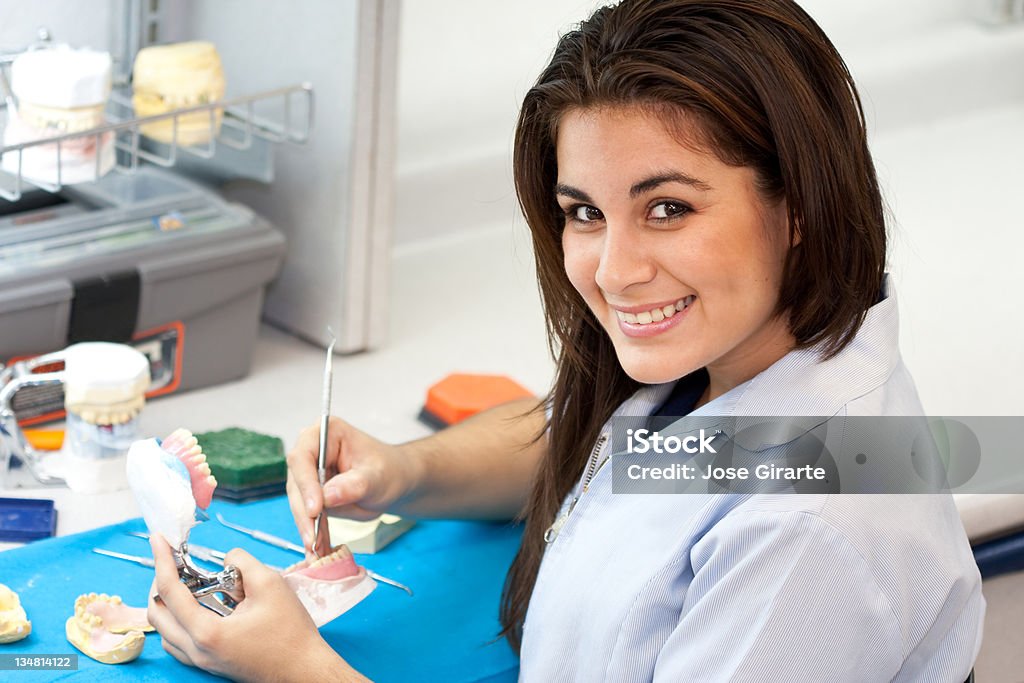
(106, 629)
(14, 623)
(60, 91)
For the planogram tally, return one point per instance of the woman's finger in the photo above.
(175, 652)
(173, 593)
(346, 488)
(256, 576)
(300, 512)
(175, 639)
(302, 470)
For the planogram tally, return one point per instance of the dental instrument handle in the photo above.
(325, 416)
(321, 470)
(144, 561)
(391, 582)
(279, 542)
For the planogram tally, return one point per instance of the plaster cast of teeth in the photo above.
(170, 478)
(59, 91)
(106, 629)
(655, 314)
(163, 489)
(14, 623)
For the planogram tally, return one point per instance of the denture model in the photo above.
(14, 623)
(178, 76)
(170, 478)
(330, 586)
(106, 629)
(60, 91)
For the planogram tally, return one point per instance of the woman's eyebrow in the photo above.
(645, 185)
(572, 193)
(654, 181)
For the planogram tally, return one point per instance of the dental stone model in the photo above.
(106, 629)
(60, 91)
(14, 623)
(177, 76)
(170, 478)
(104, 390)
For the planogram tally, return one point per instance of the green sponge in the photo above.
(241, 459)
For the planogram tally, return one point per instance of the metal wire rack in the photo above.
(240, 127)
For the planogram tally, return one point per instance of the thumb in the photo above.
(346, 488)
(254, 573)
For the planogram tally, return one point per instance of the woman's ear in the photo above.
(792, 225)
(784, 224)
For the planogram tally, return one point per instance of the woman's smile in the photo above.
(650, 320)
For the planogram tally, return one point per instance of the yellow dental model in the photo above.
(14, 623)
(106, 629)
(177, 76)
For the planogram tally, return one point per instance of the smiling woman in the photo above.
(710, 240)
(681, 268)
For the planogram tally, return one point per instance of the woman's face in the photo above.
(674, 251)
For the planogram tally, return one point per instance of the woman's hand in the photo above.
(270, 636)
(365, 477)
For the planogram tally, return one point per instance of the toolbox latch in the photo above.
(105, 308)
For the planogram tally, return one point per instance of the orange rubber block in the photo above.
(459, 396)
(45, 439)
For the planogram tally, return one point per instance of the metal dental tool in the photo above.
(263, 536)
(144, 561)
(200, 552)
(26, 373)
(391, 582)
(325, 416)
(219, 592)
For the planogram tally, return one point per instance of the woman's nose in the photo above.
(625, 260)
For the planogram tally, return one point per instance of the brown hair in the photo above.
(769, 91)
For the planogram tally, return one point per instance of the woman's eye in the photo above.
(664, 210)
(583, 213)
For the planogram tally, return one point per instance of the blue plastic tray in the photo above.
(26, 519)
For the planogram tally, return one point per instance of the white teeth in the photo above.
(656, 315)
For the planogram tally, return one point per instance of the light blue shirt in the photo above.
(808, 588)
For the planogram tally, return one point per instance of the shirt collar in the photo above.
(800, 383)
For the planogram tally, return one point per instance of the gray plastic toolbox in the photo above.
(150, 259)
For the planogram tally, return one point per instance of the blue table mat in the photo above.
(447, 631)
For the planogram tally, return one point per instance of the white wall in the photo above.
(944, 96)
(83, 23)
(465, 65)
